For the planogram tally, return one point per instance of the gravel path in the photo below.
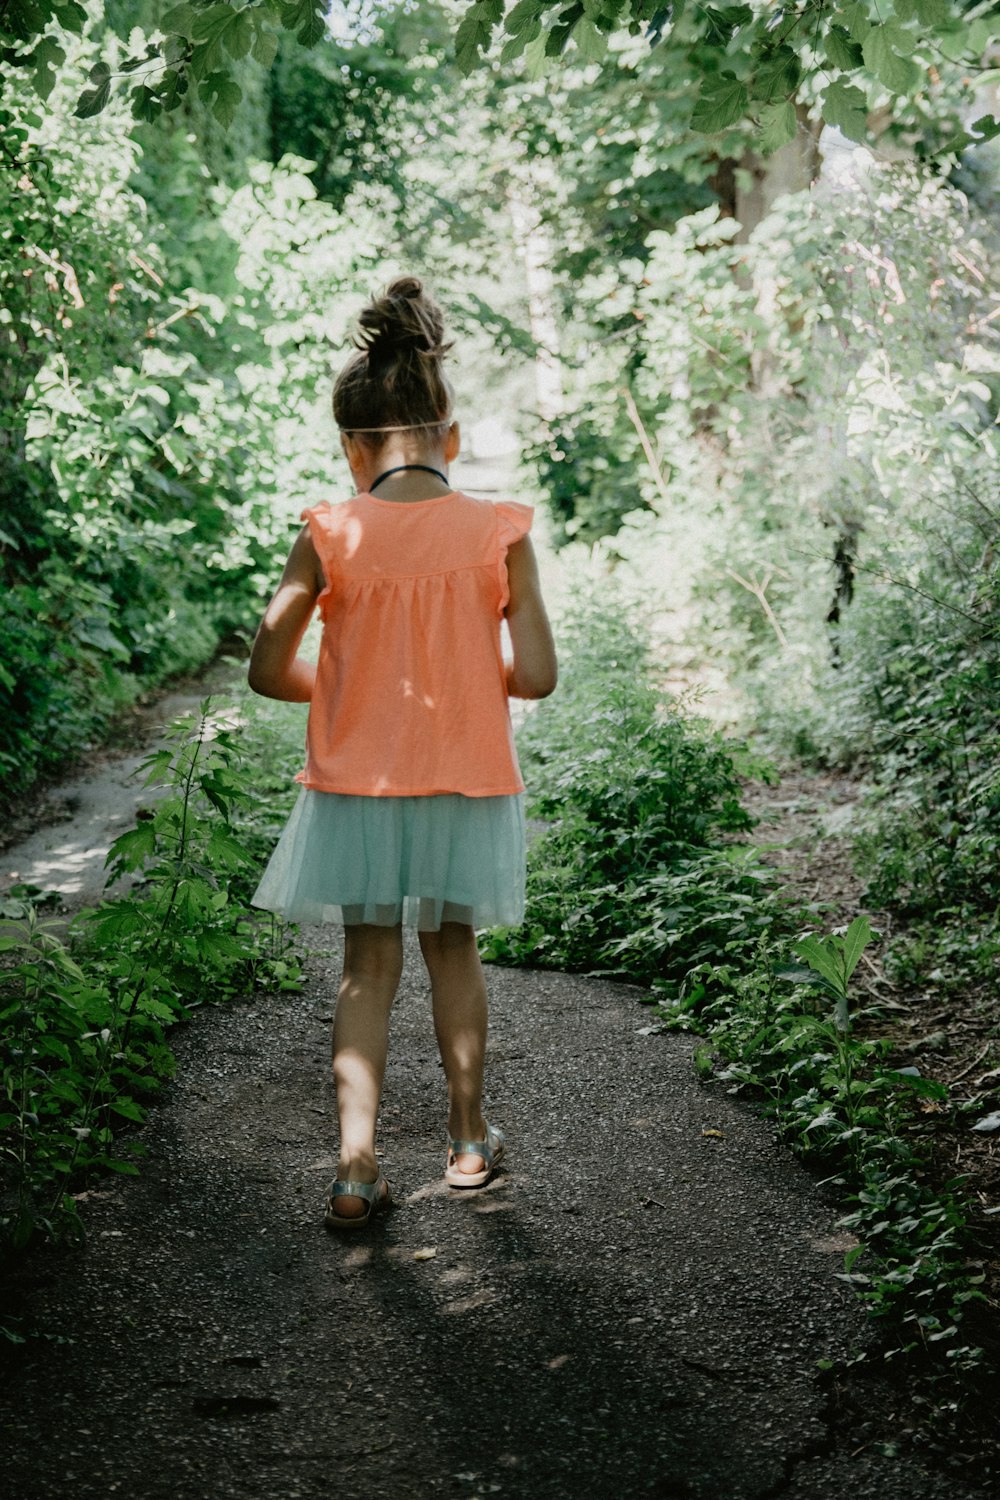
(633, 1305)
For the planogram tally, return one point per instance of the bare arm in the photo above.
(275, 670)
(534, 672)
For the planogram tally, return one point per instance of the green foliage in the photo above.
(191, 48)
(922, 711)
(84, 1022)
(754, 63)
(636, 873)
(633, 874)
(848, 1112)
(162, 353)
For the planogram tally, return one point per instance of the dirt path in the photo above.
(634, 1305)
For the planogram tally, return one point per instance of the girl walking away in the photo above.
(412, 807)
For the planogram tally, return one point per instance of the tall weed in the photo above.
(84, 1019)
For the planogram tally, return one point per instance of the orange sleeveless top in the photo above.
(410, 698)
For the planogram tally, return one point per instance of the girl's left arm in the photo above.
(275, 670)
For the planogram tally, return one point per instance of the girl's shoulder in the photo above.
(515, 518)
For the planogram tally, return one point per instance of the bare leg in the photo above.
(373, 963)
(458, 991)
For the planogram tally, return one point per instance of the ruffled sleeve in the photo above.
(513, 522)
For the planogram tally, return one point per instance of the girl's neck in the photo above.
(410, 484)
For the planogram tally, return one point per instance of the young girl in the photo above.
(411, 808)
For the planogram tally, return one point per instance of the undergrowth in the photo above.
(643, 870)
(85, 1012)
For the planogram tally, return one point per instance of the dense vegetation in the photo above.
(756, 375)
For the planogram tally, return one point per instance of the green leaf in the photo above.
(239, 37)
(43, 61)
(901, 38)
(722, 103)
(132, 848)
(841, 51)
(226, 851)
(180, 19)
(172, 87)
(265, 48)
(71, 16)
(514, 46)
(145, 104)
(592, 44)
(985, 128)
(23, 19)
(224, 94)
(845, 106)
(856, 940)
(306, 18)
(217, 30)
(931, 12)
(129, 1109)
(852, 1256)
(854, 17)
(777, 77)
(522, 16)
(536, 58)
(897, 73)
(778, 125)
(92, 101)
(471, 38)
(819, 957)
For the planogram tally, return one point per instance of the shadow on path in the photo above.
(632, 1305)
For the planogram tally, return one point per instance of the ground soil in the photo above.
(645, 1300)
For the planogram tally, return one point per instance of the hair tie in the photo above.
(404, 427)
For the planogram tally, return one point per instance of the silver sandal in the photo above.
(491, 1150)
(369, 1191)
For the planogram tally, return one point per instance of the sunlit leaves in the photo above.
(739, 59)
(203, 41)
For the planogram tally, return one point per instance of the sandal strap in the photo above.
(353, 1189)
(486, 1149)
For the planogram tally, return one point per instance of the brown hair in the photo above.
(395, 377)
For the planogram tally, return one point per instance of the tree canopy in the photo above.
(759, 64)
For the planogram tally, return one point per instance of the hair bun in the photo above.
(402, 322)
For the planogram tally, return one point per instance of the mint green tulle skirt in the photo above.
(416, 860)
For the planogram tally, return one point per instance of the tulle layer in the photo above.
(417, 860)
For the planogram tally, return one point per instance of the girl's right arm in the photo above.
(275, 670)
(534, 672)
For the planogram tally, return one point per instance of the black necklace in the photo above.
(399, 469)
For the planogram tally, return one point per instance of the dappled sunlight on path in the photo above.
(636, 1304)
